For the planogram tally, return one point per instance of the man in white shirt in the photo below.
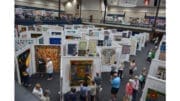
(49, 69)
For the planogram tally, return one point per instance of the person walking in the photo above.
(25, 76)
(42, 66)
(132, 67)
(72, 96)
(37, 90)
(142, 78)
(98, 81)
(135, 88)
(129, 90)
(115, 83)
(84, 91)
(93, 91)
(49, 69)
(113, 69)
(120, 70)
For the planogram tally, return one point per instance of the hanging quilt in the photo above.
(125, 49)
(108, 56)
(80, 70)
(47, 51)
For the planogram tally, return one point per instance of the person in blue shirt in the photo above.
(115, 83)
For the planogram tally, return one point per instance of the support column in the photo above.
(59, 9)
(105, 4)
(157, 12)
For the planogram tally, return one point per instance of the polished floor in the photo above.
(53, 85)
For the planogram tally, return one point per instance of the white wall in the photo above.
(154, 66)
(155, 84)
(65, 69)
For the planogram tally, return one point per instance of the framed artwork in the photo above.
(39, 28)
(125, 49)
(76, 27)
(23, 29)
(92, 46)
(108, 56)
(107, 42)
(31, 28)
(100, 43)
(161, 73)
(23, 61)
(45, 29)
(55, 41)
(69, 37)
(82, 45)
(35, 35)
(90, 32)
(133, 46)
(106, 35)
(153, 95)
(162, 56)
(71, 32)
(79, 71)
(68, 27)
(55, 33)
(41, 40)
(48, 51)
(81, 52)
(96, 33)
(72, 48)
(117, 37)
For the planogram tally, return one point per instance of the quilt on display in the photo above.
(47, 51)
(82, 45)
(92, 46)
(108, 56)
(125, 49)
(80, 70)
(72, 48)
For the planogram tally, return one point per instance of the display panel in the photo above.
(47, 51)
(80, 70)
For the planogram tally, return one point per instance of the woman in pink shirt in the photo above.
(129, 90)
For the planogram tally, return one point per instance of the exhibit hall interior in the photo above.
(90, 50)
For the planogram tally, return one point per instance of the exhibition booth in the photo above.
(77, 51)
